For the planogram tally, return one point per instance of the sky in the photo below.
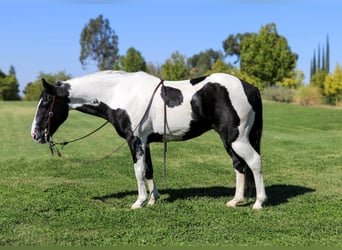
(43, 36)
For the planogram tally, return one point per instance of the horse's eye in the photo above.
(46, 101)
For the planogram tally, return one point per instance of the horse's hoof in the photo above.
(231, 203)
(153, 200)
(257, 206)
(137, 205)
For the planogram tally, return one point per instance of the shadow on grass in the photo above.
(277, 194)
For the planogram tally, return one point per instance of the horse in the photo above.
(135, 104)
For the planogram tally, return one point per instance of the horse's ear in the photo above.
(49, 88)
(62, 89)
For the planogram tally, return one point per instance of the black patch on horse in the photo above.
(212, 109)
(197, 80)
(172, 97)
(121, 122)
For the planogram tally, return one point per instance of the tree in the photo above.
(202, 62)
(12, 71)
(154, 69)
(33, 89)
(318, 79)
(294, 80)
(327, 56)
(232, 45)
(100, 43)
(175, 68)
(333, 85)
(320, 66)
(9, 87)
(133, 61)
(219, 67)
(267, 56)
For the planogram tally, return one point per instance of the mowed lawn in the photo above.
(51, 201)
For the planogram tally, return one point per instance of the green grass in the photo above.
(50, 201)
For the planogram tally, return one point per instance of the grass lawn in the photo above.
(50, 201)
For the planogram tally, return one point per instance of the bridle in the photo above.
(48, 136)
(48, 124)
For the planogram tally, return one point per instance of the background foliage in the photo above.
(9, 86)
(264, 59)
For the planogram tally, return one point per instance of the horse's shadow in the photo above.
(277, 194)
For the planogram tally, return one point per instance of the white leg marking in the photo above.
(153, 191)
(253, 159)
(139, 169)
(239, 191)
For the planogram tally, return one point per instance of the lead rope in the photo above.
(164, 137)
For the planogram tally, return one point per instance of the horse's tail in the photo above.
(254, 136)
(256, 131)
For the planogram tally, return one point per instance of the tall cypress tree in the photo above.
(313, 64)
(321, 60)
(327, 56)
(319, 57)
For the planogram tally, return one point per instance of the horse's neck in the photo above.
(109, 87)
(88, 90)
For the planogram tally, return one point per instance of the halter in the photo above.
(48, 124)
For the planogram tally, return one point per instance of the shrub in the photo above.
(308, 95)
(278, 94)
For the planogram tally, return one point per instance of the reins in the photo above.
(52, 143)
(54, 149)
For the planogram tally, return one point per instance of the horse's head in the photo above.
(52, 111)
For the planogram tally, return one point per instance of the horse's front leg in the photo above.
(138, 155)
(149, 177)
(139, 169)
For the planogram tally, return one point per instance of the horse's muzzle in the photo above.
(40, 137)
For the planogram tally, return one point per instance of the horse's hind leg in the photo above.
(239, 191)
(245, 150)
(240, 179)
(149, 177)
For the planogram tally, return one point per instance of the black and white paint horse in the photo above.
(219, 101)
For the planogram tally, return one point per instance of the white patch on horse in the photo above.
(34, 122)
(139, 169)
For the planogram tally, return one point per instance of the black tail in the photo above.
(254, 98)
(256, 131)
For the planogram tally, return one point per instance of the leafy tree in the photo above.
(219, 67)
(175, 68)
(232, 45)
(33, 89)
(333, 85)
(318, 79)
(100, 43)
(133, 61)
(267, 56)
(202, 62)
(9, 87)
(294, 80)
(154, 69)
